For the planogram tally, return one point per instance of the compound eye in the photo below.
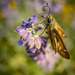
(49, 20)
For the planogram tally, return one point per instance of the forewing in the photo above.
(60, 45)
(58, 27)
(53, 40)
(60, 30)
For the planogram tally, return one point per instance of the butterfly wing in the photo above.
(60, 45)
(57, 27)
(53, 40)
(60, 30)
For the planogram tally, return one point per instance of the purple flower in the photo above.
(26, 24)
(28, 35)
(33, 42)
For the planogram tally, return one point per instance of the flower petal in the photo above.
(22, 33)
(33, 55)
(41, 56)
(18, 29)
(34, 18)
(27, 36)
(24, 22)
(29, 19)
(20, 42)
(33, 50)
(31, 42)
(44, 42)
(28, 50)
(38, 43)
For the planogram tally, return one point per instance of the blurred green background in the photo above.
(13, 58)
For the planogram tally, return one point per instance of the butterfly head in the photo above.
(49, 18)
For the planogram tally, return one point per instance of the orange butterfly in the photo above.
(56, 34)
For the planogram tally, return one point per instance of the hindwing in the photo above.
(58, 44)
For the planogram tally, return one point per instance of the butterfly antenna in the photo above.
(44, 8)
